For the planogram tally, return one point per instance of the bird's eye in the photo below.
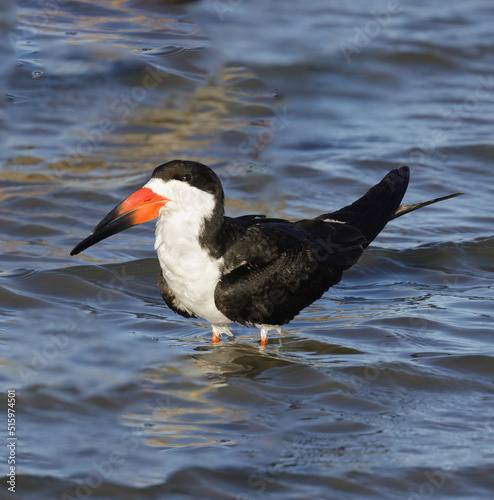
(186, 177)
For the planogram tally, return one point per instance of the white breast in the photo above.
(191, 273)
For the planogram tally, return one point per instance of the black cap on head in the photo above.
(193, 173)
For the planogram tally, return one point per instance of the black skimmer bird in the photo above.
(251, 270)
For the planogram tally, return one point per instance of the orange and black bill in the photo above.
(139, 207)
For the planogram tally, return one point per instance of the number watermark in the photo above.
(11, 440)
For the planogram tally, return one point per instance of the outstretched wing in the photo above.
(278, 268)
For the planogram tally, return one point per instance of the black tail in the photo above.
(380, 204)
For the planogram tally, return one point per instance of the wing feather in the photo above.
(281, 268)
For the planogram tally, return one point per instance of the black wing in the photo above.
(377, 207)
(171, 301)
(278, 268)
(275, 268)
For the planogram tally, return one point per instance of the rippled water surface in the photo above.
(381, 389)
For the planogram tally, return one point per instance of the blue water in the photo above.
(381, 389)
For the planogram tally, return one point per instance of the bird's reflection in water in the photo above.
(243, 359)
(220, 393)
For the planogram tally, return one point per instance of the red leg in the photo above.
(264, 339)
(216, 338)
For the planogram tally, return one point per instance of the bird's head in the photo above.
(184, 187)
